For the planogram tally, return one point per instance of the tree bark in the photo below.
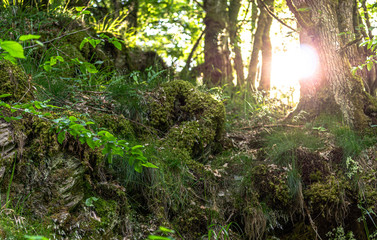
(234, 9)
(132, 17)
(216, 65)
(333, 89)
(265, 80)
(261, 35)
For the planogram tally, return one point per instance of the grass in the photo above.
(282, 142)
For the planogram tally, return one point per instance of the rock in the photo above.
(188, 118)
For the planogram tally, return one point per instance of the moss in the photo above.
(14, 81)
(328, 197)
(300, 231)
(116, 124)
(107, 211)
(271, 185)
(190, 136)
(189, 118)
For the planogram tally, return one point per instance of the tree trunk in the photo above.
(215, 51)
(234, 9)
(265, 80)
(262, 34)
(333, 89)
(132, 19)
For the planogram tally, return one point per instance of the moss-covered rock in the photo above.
(116, 124)
(14, 81)
(189, 118)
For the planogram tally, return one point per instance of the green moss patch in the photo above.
(14, 81)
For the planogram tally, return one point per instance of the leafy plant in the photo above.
(12, 49)
(89, 201)
(163, 231)
(109, 144)
(339, 234)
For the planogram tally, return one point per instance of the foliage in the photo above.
(110, 144)
(252, 108)
(282, 143)
(163, 230)
(338, 234)
(129, 91)
(12, 49)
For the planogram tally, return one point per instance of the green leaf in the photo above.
(61, 137)
(90, 67)
(166, 230)
(13, 48)
(136, 147)
(16, 118)
(117, 45)
(85, 40)
(138, 167)
(90, 143)
(35, 237)
(369, 66)
(153, 237)
(79, 9)
(149, 165)
(39, 43)
(28, 37)
(72, 119)
(5, 95)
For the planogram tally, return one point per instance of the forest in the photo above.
(188, 119)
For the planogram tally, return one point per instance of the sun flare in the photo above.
(290, 66)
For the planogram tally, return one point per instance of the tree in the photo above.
(216, 52)
(331, 28)
(261, 43)
(234, 9)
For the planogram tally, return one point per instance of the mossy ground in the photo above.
(286, 182)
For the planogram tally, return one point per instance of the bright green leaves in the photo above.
(103, 37)
(29, 37)
(13, 50)
(89, 201)
(93, 42)
(371, 44)
(29, 107)
(163, 231)
(53, 61)
(104, 140)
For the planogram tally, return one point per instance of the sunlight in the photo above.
(289, 66)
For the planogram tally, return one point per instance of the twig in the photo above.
(350, 44)
(272, 126)
(200, 5)
(312, 223)
(57, 38)
(274, 16)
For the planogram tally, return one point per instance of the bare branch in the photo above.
(274, 16)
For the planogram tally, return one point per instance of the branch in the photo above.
(298, 16)
(274, 16)
(35, 45)
(188, 61)
(200, 5)
(350, 44)
(272, 126)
